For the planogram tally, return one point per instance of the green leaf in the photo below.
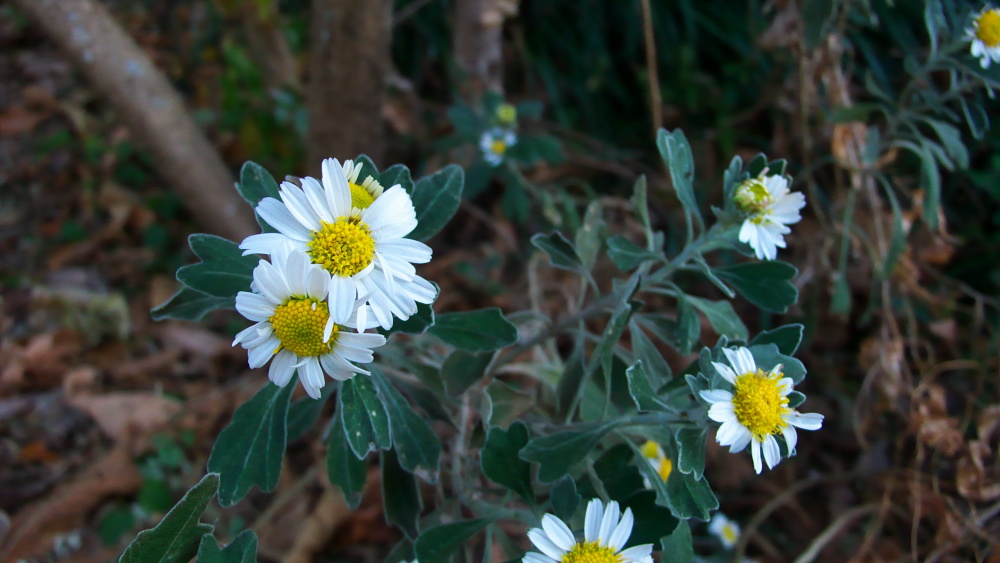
(641, 391)
(436, 199)
(767, 356)
(616, 324)
(765, 284)
(795, 399)
(564, 498)
(690, 497)
(343, 468)
(930, 179)
(485, 329)
(646, 352)
(558, 452)
(951, 140)
(256, 183)
(175, 539)
(368, 168)
(243, 549)
(223, 270)
(678, 547)
(588, 237)
(418, 323)
(401, 498)
(396, 174)
(190, 305)
(976, 117)
(503, 404)
(500, 462)
(462, 369)
(721, 316)
(787, 338)
(676, 153)
(304, 412)
(249, 450)
(627, 255)
(640, 203)
(620, 477)
(436, 544)
(691, 450)
(561, 252)
(413, 438)
(366, 424)
(688, 325)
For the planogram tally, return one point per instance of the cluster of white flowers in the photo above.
(338, 262)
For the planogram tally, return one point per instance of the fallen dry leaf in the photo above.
(124, 415)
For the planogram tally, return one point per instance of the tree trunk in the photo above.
(150, 107)
(348, 64)
(478, 45)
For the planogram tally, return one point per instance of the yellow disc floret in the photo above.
(652, 451)
(506, 114)
(759, 404)
(752, 196)
(299, 324)
(729, 534)
(360, 197)
(344, 247)
(666, 466)
(988, 27)
(498, 147)
(591, 552)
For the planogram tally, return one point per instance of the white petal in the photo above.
(317, 200)
(338, 193)
(608, 523)
(772, 453)
(407, 249)
(544, 544)
(592, 521)
(746, 362)
(742, 439)
(729, 432)
(622, 531)
(725, 371)
(558, 532)
(806, 421)
(263, 243)
(755, 453)
(312, 378)
(791, 437)
(716, 396)
(637, 553)
(281, 370)
(392, 214)
(364, 340)
(298, 205)
(533, 557)
(277, 215)
(343, 291)
(722, 412)
(254, 306)
(260, 354)
(295, 273)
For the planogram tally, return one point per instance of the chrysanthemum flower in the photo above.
(769, 208)
(756, 410)
(293, 324)
(725, 529)
(656, 457)
(984, 33)
(351, 230)
(494, 144)
(604, 535)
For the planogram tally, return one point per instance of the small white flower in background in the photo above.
(985, 36)
(494, 144)
(656, 457)
(769, 208)
(756, 410)
(605, 532)
(351, 232)
(293, 324)
(725, 529)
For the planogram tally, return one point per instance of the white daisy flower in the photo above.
(604, 535)
(984, 33)
(770, 208)
(656, 457)
(494, 144)
(756, 410)
(725, 529)
(351, 232)
(294, 325)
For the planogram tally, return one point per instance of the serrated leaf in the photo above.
(366, 424)
(564, 498)
(688, 325)
(249, 450)
(690, 497)
(436, 199)
(645, 351)
(676, 153)
(482, 330)
(616, 324)
(343, 468)
(721, 316)
(461, 369)
(438, 543)
(401, 498)
(176, 538)
(765, 284)
(223, 270)
(787, 338)
(627, 255)
(190, 305)
(691, 450)
(255, 184)
(558, 452)
(503, 404)
(641, 391)
(413, 439)
(561, 252)
(588, 237)
(243, 549)
(678, 547)
(500, 462)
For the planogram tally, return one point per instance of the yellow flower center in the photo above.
(498, 146)
(752, 196)
(729, 534)
(759, 404)
(344, 247)
(591, 552)
(360, 197)
(666, 466)
(506, 114)
(299, 324)
(651, 451)
(988, 28)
